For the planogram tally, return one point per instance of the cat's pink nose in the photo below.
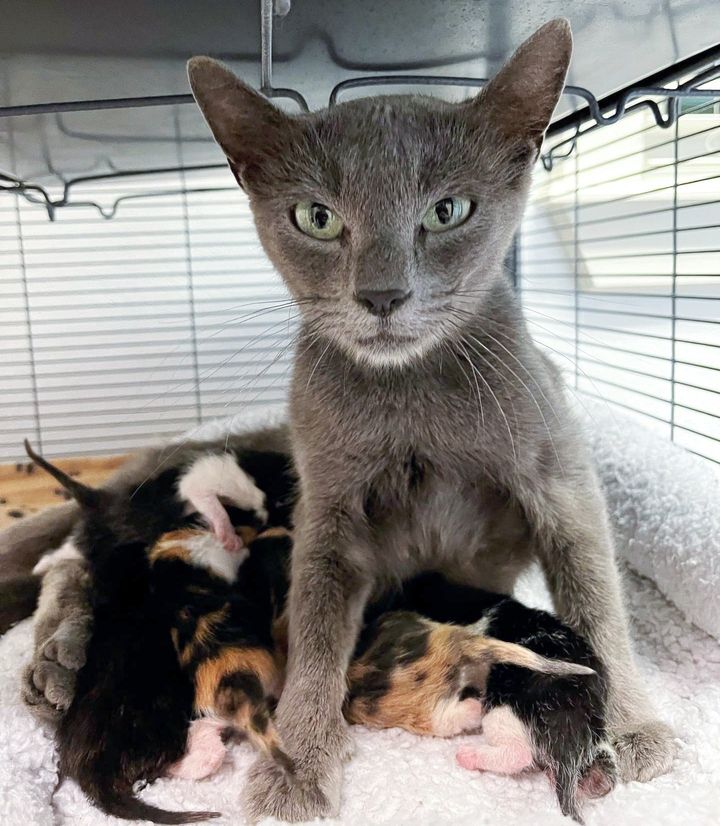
(382, 302)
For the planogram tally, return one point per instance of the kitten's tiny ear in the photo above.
(522, 96)
(245, 124)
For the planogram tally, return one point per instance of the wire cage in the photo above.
(137, 303)
(116, 332)
(619, 267)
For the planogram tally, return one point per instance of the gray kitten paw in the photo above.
(270, 793)
(645, 751)
(68, 645)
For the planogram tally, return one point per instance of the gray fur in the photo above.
(438, 436)
(63, 623)
(23, 543)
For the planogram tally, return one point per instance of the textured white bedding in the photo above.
(663, 507)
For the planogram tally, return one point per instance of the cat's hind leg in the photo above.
(63, 624)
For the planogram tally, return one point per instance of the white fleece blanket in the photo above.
(664, 505)
(396, 778)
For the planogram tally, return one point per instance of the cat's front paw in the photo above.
(271, 793)
(644, 751)
(48, 689)
(68, 645)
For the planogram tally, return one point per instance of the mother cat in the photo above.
(427, 429)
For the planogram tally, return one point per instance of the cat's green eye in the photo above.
(447, 214)
(317, 220)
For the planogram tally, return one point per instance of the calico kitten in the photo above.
(178, 592)
(432, 677)
(223, 609)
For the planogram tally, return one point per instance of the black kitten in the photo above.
(129, 718)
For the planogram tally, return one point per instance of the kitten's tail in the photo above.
(509, 653)
(579, 763)
(115, 797)
(85, 496)
(108, 785)
(127, 807)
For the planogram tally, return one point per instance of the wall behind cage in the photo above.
(117, 332)
(619, 270)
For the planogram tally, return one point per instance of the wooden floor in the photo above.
(26, 489)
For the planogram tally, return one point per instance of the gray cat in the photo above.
(427, 429)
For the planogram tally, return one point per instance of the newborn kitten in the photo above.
(543, 710)
(222, 610)
(128, 720)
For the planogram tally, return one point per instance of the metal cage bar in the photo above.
(596, 113)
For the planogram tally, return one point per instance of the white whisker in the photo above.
(481, 412)
(492, 393)
(527, 389)
(317, 364)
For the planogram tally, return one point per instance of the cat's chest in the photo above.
(423, 497)
(410, 428)
(418, 510)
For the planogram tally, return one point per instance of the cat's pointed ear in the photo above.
(522, 96)
(247, 126)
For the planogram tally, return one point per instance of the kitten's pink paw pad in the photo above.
(205, 752)
(467, 757)
(511, 758)
(232, 542)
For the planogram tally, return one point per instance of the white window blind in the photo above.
(619, 270)
(116, 332)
